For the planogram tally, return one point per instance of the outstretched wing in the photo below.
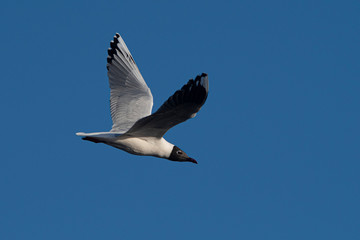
(181, 106)
(130, 97)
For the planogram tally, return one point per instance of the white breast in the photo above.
(148, 146)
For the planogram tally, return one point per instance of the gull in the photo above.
(135, 130)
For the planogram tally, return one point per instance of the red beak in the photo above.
(192, 160)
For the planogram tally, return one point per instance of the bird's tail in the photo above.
(98, 137)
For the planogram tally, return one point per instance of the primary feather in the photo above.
(130, 97)
(181, 106)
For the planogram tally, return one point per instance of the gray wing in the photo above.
(181, 106)
(130, 97)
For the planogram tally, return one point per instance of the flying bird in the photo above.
(135, 130)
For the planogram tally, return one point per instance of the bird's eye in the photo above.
(179, 152)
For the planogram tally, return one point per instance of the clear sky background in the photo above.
(277, 140)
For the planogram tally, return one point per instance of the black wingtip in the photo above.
(201, 84)
(195, 92)
(116, 49)
(116, 39)
(109, 58)
(113, 48)
(205, 81)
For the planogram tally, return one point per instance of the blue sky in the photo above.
(277, 140)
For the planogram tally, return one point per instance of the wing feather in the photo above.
(181, 106)
(130, 97)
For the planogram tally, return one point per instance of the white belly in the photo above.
(143, 146)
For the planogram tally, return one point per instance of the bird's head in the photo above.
(179, 155)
